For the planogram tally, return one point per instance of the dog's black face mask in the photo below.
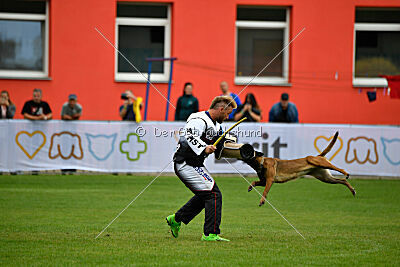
(247, 152)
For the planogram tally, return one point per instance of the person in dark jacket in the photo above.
(249, 109)
(187, 104)
(284, 111)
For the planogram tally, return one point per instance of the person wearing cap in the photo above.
(284, 111)
(71, 110)
(36, 109)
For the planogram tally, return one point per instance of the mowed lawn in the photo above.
(53, 220)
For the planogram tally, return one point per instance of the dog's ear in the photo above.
(259, 154)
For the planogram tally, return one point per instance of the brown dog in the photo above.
(272, 170)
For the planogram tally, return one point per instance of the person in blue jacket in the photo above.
(284, 111)
(225, 92)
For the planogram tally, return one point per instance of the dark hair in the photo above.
(8, 95)
(252, 101)
(186, 84)
(37, 90)
(284, 96)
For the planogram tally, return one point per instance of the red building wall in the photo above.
(203, 39)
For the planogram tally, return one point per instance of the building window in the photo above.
(377, 46)
(261, 32)
(142, 31)
(23, 39)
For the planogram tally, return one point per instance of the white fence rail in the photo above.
(148, 146)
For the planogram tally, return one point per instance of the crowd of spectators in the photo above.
(283, 111)
(37, 109)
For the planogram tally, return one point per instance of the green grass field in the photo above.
(53, 220)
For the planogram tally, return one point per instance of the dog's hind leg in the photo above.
(325, 176)
(324, 163)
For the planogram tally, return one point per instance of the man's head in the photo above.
(221, 107)
(284, 100)
(72, 100)
(224, 87)
(37, 95)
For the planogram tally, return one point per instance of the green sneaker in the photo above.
(213, 237)
(175, 226)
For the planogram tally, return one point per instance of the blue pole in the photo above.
(169, 87)
(147, 90)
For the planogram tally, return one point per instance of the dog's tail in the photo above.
(329, 147)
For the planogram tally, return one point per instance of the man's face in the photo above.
(224, 87)
(37, 97)
(129, 94)
(72, 102)
(284, 104)
(224, 113)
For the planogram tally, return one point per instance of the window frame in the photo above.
(135, 21)
(285, 26)
(30, 74)
(366, 26)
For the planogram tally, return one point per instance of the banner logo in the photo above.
(133, 146)
(65, 145)
(325, 144)
(33, 139)
(391, 150)
(361, 149)
(101, 146)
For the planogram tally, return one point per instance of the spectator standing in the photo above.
(36, 109)
(130, 110)
(225, 92)
(71, 110)
(187, 103)
(249, 109)
(284, 111)
(7, 108)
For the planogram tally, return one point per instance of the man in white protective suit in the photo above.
(202, 129)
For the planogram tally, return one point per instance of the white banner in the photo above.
(149, 146)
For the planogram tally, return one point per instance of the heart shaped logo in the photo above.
(30, 136)
(327, 141)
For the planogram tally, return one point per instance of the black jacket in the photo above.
(187, 104)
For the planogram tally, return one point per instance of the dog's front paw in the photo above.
(262, 202)
(250, 188)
